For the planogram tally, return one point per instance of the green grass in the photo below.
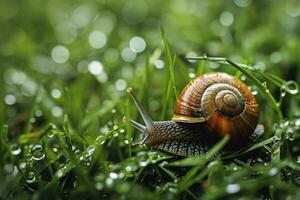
(72, 164)
(78, 145)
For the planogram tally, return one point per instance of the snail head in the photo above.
(148, 121)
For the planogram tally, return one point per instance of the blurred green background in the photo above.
(76, 58)
(100, 47)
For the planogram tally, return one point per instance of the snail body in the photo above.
(208, 108)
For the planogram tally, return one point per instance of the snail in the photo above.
(208, 108)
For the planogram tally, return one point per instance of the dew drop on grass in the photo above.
(54, 149)
(233, 188)
(143, 163)
(37, 152)
(243, 78)
(22, 165)
(90, 150)
(292, 87)
(113, 175)
(297, 122)
(73, 148)
(109, 182)
(254, 92)
(273, 171)
(163, 163)
(115, 127)
(99, 186)
(298, 159)
(259, 130)
(192, 74)
(159, 64)
(30, 178)
(116, 134)
(50, 134)
(15, 149)
(129, 168)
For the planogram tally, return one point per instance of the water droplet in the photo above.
(121, 84)
(60, 54)
(292, 87)
(57, 111)
(86, 160)
(226, 18)
(190, 55)
(286, 123)
(103, 129)
(254, 92)
(137, 44)
(10, 99)
(77, 151)
(243, 78)
(15, 149)
(22, 165)
(192, 75)
(99, 186)
(56, 93)
(90, 150)
(30, 178)
(233, 188)
(163, 163)
(116, 134)
(73, 148)
(129, 168)
(242, 3)
(37, 152)
(113, 175)
(128, 55)
(59, 173)
(275, 57)
(121, 175)
(297, 122)
(260, 66)
(109, 182)
(273, 171)
(259, 130)
(159, 64)
(95, 67)
(38, 113)
(298, 159)
(97, 39)
(143, 163)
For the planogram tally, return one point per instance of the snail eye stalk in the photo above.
(148, 121)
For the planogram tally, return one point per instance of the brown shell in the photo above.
(223, 102)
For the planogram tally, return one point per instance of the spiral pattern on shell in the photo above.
(221, 101)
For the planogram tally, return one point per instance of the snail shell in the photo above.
(223, 102)
(209, 107)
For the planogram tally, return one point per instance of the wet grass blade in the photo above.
(170, 62)
(188, 179)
